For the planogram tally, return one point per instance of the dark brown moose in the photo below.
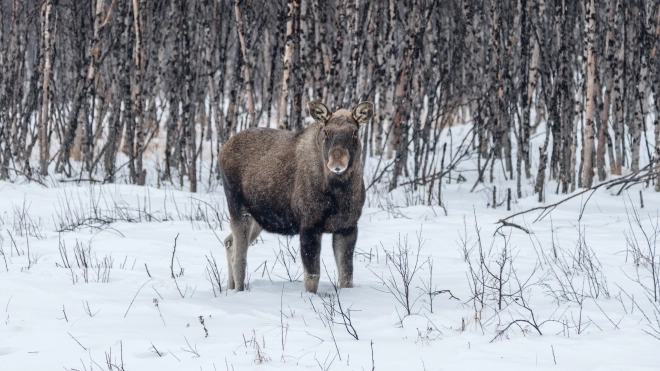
(306, 183)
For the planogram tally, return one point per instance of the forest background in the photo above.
(131, 91)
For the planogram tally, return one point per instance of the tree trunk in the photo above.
(44, 142)
(655, 60)
(391, 80)
(240, 28)
(283, 122)
(590, 114)
(617, 92)
(137, 95)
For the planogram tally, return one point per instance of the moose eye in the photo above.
(355, 133)
(325, 133)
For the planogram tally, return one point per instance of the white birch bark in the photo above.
(246, 64)
(137, 94)
(286, 67)
(44, 145)
(590, 114)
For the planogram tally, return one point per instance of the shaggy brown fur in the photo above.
(306, 183)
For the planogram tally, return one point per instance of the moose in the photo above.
(306, 183)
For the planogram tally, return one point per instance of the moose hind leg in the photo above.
(241, 228)
(229, 242)
(343, 245)
(310, 253)
(255, 230)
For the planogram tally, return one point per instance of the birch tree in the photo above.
(44, 140)
(240, 27)
(283, 122)
(589, 132)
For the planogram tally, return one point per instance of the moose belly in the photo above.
(275, 220)
(339, 221)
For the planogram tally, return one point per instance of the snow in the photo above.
(275, 325)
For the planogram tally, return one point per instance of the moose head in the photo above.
(339, 137)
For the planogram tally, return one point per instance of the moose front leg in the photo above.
(310, 252)
(343, 245)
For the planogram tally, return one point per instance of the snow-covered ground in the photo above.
(126, 312)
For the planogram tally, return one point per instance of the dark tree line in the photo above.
(88, 88)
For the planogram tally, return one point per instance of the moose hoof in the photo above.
(346, 281)
(312, 283)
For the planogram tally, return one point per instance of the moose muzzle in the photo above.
(338, 160)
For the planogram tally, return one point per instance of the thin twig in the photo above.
(155, 350)
(173, 252)
(77, 341)
(136, 294)
(191, 349)
(373, 364)
(509, 224)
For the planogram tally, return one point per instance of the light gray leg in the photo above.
(254, 232)
(240, 231)
(229, 242)
(247, 225)
(343, 245)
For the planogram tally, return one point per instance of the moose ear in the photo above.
(319, 111)
(363, 112)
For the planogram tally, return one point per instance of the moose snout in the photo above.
(338, 160)
(337, 169)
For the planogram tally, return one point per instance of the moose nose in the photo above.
(337, 169)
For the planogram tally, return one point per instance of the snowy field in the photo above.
(86, 284)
